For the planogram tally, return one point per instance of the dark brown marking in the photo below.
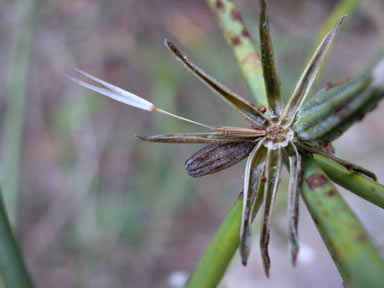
(327, 147)
(235, 15)
(235, 40)
(263, 178)
(245, 33)
(262, 109)
(330, 85)
(316, 180)
(219, 4)
(330, 193)
(316, 221)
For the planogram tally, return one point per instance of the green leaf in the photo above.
(362, 186)
(271, 78)
(308, 77)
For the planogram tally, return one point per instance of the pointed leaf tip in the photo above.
(308, 77)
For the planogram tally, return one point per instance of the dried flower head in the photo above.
(268, 141)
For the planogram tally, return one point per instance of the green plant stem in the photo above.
(220, 251)
(355, 256)
(354, 182)
(223, 246)
(239, 40)
(12, 269)
(14, 115)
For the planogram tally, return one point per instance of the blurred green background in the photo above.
(92, 205)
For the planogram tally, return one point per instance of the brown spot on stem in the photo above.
(361, 238)
(316, 221)
(262, 109)
(219, 4)
(330, 193)
(263, 178)
(316, 180)
(245, 33)
(327, 147)
(342, 110)
(235, 15)
(349, 167)
(330, 85)
(235, 40)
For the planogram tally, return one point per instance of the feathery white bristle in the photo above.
(128, 98)
(115, 92)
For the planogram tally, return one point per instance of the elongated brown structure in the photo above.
(217, 157)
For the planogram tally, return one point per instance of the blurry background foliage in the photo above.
(95, 207)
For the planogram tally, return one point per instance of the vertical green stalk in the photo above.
(12, 269)
(355, 256)
(14, 115)
(216, 258)
(239, 40)
(220, 251)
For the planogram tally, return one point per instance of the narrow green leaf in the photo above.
(295, 170)
(271, 78)
(350, 166)
(12, 268)
(308, 77)
(15, 104)
(272, 173)
(252, 179)
(362, 186)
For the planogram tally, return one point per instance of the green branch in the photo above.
(239, 40)
(220, 251)
(216, 258)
